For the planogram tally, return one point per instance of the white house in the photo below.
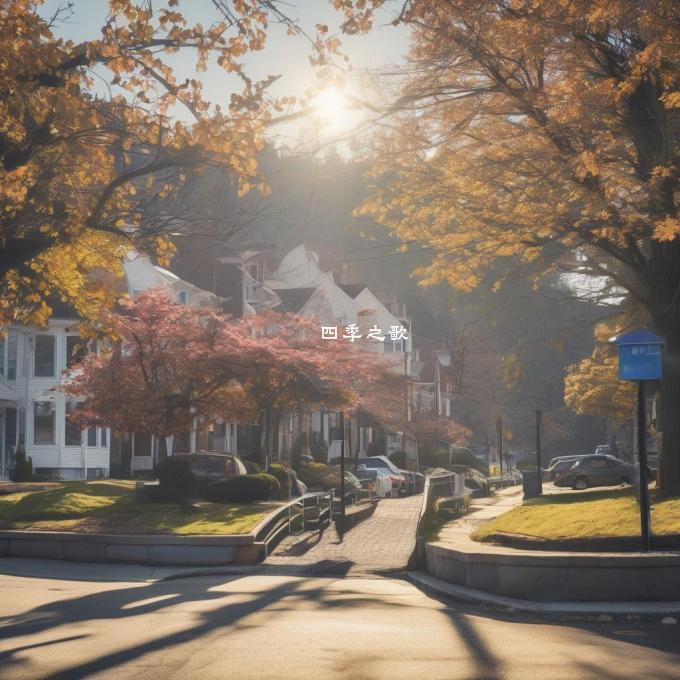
(300, 277)
(33, 412)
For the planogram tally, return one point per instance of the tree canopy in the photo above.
(92, 138)
(547, 132)
(175, 368)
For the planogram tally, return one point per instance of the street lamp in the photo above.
(340, 528)
(640, 359)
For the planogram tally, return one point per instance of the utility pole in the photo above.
(539, 474)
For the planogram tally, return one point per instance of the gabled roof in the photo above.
(294, 299)
(352, 289)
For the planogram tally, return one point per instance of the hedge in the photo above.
(244, 489)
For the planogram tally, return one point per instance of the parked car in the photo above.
(560, 459)
(212, 467)
(420, 482)
(561, 466)
(410, 481)
(384, 465)
(377, 481)
(599, 470)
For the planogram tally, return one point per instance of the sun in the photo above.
(331, 106)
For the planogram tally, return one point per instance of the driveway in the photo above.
(383, 542)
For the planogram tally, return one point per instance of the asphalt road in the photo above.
(271, 626)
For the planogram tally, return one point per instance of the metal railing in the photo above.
(311, 511)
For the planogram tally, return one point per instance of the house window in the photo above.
(43, 422)
(254, 271)
(75, 349)
(182, 297)
(92, 436)
(2, 356)
(393, 345)
(12, 346)
(104, 436)
(44, 356)
(72, 433)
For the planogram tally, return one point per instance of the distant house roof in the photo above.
(294, 299)
(352, 289)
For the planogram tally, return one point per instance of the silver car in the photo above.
(598, 471)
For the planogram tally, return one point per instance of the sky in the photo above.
(284, 56)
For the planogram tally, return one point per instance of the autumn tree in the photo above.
(175, 368)
(89, 171)
(384, 400)
(160, 375)
(296, 372)
(542, 131)
(592, 387)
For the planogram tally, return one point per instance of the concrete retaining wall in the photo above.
(158, 550)
(593, 577)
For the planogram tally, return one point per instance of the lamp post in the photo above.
(539, 474)
(499, 432)
(640, 359)
(340, 528)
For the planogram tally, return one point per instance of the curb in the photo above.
(464, 594)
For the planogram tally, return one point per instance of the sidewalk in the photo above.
(547, 575)
(457, 532)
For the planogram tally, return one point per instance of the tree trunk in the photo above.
(669, 420)
(265, 431)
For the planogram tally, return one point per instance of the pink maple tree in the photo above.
(174, 366)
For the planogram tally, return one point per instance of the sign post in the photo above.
(640, 359)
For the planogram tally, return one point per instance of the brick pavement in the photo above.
(383, 542)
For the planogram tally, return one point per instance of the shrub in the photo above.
(155, 493)
(247, 488)
(281, 473)
(252, 467)
(177, 479)
(22, 468)
(437, 458)
(319, 475)
(216, 492)
(461, 455)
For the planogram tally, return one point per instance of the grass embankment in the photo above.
(109, 506)
(584, 515)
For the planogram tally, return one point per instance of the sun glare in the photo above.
(331, 106)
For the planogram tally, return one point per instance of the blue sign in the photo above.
(640, 355)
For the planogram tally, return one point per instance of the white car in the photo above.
(386, 470)
(378, 482)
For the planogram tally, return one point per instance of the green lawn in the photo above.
(109, 506)
(595, 514)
